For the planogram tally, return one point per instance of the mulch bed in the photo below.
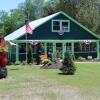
(54, 65)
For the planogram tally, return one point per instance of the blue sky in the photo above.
(9, 4)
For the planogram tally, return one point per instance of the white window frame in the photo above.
(61, 26)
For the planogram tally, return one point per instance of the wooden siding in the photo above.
(44, 32)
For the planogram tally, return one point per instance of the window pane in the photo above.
(50, 47)
(68, 47)
(56, 23)
(56, 27)
(22, 48)
(65, 24)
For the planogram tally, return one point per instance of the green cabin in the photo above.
(58, 32)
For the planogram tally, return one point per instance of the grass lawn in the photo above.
(34, 83)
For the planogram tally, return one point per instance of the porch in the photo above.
(78, 48)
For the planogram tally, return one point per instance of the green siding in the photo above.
(44, 32)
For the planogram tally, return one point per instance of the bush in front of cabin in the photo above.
(17, 63)
(81, 59)
(30, 54)
(46, 61)
(68, 66)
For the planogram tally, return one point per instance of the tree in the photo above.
(3, 19)
(88, 14)
(53, 6)
(28, 10)
(38, 6)
(11, 22)
(68, 64)
(17, 16)
(49, 7)
(67, 6)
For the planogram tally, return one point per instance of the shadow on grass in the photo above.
(65, 74)
(14, 69)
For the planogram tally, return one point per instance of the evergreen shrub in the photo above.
(68, 66)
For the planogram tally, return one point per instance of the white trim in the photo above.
(52, 25)
(68, 25)
(22, 41)
(59, 20)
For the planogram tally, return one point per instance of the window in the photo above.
(69, 47)
(60, 26)
(83, 47)
(56, 25)
(22, 48)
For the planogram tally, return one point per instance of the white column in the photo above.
(17, 52)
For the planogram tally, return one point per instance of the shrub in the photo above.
(24, 62)
(30, 55)
(4, 49)
(58, 54)
(9, 63)
(81, 58)
(46, 61)
(17, 63)
(68, 65)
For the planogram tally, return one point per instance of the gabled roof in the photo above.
(36, 23)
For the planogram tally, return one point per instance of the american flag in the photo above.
(28, 28)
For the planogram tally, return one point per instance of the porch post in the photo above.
(64, 50)
(54, 49)
(10, 52)
(73, 50)
(17, 52)
(98, 54)
(45, 48)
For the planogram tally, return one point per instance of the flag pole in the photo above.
(26, 21)
(26, 48)
(28, 30)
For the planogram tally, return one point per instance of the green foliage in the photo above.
(46, 61)
(38, 6)
(11, 22)
(24, 62)
(28, 10)
(49, 7)
(4, 49)
(88, 14)
(30, 54)
(81, 59)
(68, 64)
(17, 63)
(58, 54)
(10, 63)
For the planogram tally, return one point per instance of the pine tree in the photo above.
(68, 65)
